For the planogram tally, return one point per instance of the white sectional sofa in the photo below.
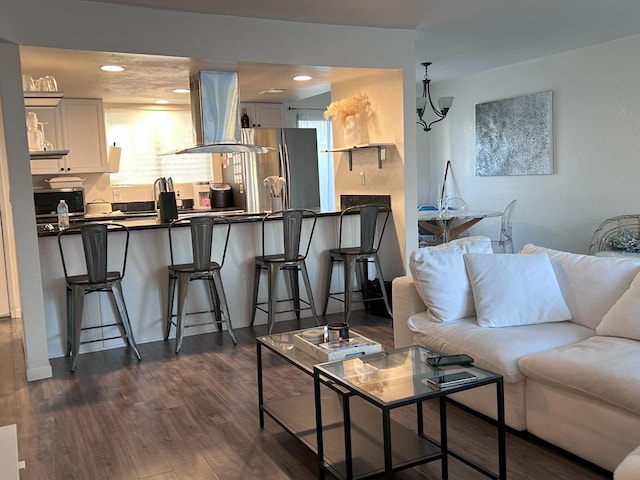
(563, 329)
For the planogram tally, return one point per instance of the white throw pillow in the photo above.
(441, 279)
(623, 320)
(590, 285)
(510, 290)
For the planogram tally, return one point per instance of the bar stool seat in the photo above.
(358, 256)
(202, 267)
(291, 260)
(96, 279)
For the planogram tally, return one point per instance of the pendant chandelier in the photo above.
(444, 103)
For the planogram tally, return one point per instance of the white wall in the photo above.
(385, 125)
(93, 26)
(596, 116)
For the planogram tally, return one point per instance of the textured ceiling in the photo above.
(150, 77)
(460, 37)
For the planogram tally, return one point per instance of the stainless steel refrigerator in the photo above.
(296, 159)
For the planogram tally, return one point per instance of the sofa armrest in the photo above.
(406, 302)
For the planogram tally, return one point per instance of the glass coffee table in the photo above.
(373, 443)
(296, 413)
(359, 394)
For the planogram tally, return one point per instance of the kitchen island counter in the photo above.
(150, 221)
(145, 281)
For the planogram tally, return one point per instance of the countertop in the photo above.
(142, 221)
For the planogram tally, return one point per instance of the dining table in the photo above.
(449, 224)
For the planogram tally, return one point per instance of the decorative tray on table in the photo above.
(355, 346)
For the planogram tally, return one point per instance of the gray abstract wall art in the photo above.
(514, 136)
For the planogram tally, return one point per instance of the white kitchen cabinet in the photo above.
(269, 115)
(76, 125)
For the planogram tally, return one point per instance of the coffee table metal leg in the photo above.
(502, 441)
(420, 418)
(318, 401)
(386, 435)
(260, 393)
(346, 412)
(443, 438)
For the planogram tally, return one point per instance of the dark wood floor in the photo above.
(194, 416)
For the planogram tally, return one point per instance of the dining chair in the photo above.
(505, 241)
(290, 259)
(95, 274)
(204, 263)
(370, 236)
(425, 237)
(456, 203)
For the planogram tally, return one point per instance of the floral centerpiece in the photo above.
(351, 113)
(341, 109)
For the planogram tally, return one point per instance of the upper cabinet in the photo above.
(270, 115)
(76, 125)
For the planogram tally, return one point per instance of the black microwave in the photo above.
(46, 201)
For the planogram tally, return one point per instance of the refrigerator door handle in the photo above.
(284, 159)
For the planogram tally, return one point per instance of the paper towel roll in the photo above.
(114, 159)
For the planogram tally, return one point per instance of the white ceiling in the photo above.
(147, 78)
(459, 36)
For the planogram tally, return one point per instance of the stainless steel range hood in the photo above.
(215, 107)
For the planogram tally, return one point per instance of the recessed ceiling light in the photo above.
(302, 78)
(112, 68)
(273, 90)
(161, 101)
(181, 90)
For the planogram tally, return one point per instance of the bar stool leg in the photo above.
(70, 317)
(294, 285)
(376, 261)
(183, 288)
(214, 302)
(273, 294)
(307, 286)
(78, 306)
(349, 271)
(171, 294)
(328, 290)
(217, 279)
(256, 285)
(116, 288)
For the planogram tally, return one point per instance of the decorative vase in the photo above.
(355, 131)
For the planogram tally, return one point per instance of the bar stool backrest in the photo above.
(201, 229)
(292, 221)
(369, 241)
(94, 244)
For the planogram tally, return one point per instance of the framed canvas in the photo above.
(514, 136)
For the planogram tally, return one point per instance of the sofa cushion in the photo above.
(441, 279)
(623, 319)
(590, 285)
(496, 349)
(510, 290)
(629, 469)
(599, 367)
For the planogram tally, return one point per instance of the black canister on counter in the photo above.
(244, 120)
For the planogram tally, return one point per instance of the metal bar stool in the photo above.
(359, 256)
(96, 279)
(201, 266)
(291, 260)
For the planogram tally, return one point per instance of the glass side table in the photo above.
(374, 385)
